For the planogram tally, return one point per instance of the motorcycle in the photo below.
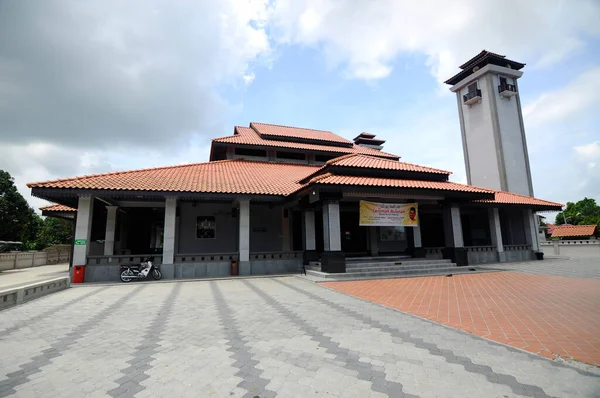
(130, 272)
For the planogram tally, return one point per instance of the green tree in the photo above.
(55, 231)
(584, 212)
(18, 221)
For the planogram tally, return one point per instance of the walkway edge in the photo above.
(22, 294)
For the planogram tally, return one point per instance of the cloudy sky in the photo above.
(98, 86)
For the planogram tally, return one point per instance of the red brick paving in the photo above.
(547, 315)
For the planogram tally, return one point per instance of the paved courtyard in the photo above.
(551, 307)
(256, 338)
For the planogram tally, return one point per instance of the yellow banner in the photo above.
(389, 214)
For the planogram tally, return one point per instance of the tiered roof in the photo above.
(263, 135)
(479, 61)
(356, 167)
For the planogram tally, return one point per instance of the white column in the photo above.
(495, 229)
(453, 227)
(531, 229)
(83, 229)
(244, 241)
(169, 230)
(109, 234)
(331, 226)
(309, 230)
(417, 236)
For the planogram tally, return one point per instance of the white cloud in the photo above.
(590, 151)
(365, 36)
(249, 78)
(568, 102)
(99, 72)
(102, 85)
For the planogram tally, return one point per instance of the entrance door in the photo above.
(354, 237)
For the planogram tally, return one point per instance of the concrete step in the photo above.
(376, 259)
(400, 267)
(397, 261)
(390, 267)
(410, 263)
(392, 274)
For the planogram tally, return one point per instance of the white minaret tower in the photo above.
(491, 122)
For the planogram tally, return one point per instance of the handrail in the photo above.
(471, 94)
(507, 87)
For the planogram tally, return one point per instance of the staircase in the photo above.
(389, 267)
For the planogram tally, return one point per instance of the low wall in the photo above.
(215, 265)
(572, 248)
(18, 260)
(23, 294)
(434, 253)
(482, 255)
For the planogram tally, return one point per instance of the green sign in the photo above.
(80, 242)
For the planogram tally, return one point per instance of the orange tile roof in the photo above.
(274, 131)
(509, 198)
(332, 179)
(57, 208)
(370, 162)
(235, 176)
(561, 231)
(239, 176)
(247, 136)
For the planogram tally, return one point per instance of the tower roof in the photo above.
(479, 61)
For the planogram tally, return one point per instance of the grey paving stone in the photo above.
(260, 338)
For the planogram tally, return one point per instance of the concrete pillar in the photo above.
(169, 230)
(453, 227)
(417, 236)
(418, 250)
(83, 229)
(332, 259)
(309, 230)
(244, 240)
(453, 235)
(177, 233)
(374, 244)
(109, 234)
(531, 229)
(496, 233)
(286, 240)
(325, 211)
(495, 229)
(331, 226)
(310, 240)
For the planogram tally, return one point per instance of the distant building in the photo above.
(574, 232)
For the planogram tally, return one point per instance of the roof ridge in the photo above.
(573, 226)
(293, 127)
(418, 165)
(320, 177)
(346, 156)
(83, 177)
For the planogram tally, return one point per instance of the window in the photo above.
(473, 94)
(251, 152)
(503, 81)
(291, 155)
(206, 227)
